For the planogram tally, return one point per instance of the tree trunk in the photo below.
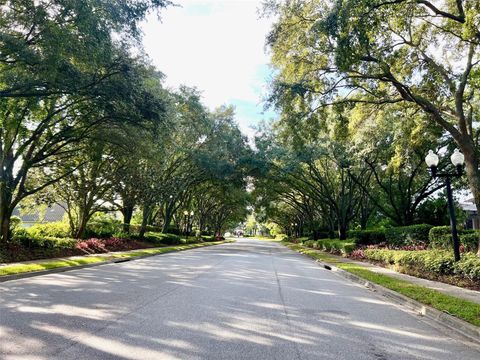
(145, 215)
(82, 225)
(127, 212)
(473, 175)
(342, 231)
(167, 219)
(6, 210)
(5, 215)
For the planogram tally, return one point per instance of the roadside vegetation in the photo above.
(362, 97)
(418, 250)
(87, 124)
(71, 262)
(463, 309)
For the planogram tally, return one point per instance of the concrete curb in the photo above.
(470, 332)
(30, 274)
(447, 323)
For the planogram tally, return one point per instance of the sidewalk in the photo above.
(447, 289)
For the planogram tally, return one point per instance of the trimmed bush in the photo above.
(282, 237)
(368, 237)
(156, 229)
(56, 229)
(308, 243)
(343, 247)
(102, 228)
(408, 235)
(208, 238)
(162, 239)
(434, 262)
(46, 242)
(470, 241)
(441, 238)
(468, 267)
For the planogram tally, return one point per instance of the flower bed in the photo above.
(33, 248)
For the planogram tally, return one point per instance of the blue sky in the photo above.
(217, 46)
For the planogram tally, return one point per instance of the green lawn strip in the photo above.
(54, 264)
(463, 309)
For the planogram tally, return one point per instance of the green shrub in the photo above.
(438, 232)
(367, 237)
(282, 237)
(15, 223)
(208, 238)
(46, 242)
(335, 246)
(58, 229)
(190, 240)
(102, 228)
(407, 235)
(440, 237)
(149, 228)
(470, 241)
(308, 243)
(437, 262)
(468, 267)
(162, 239)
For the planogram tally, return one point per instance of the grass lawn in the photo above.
(463, 309)
(54, 264)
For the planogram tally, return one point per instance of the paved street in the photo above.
(247, 300)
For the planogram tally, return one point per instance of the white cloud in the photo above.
(217, 46)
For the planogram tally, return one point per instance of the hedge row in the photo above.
(101, 229)
(394, 237)
(332, 246)
(51, 242)
(436, 262)
(440, 237)
(46, 242)
(368, 237)
(408, 235)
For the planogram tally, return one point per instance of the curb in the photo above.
(30, 274)
(470, 332)
(446, 322)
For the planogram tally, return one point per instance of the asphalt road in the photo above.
(247, 300)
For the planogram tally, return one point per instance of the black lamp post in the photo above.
(185, 213)
(458, 160)
(190, 228)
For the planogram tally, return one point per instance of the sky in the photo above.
(217, 46)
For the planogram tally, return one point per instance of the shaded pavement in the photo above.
(246, 300)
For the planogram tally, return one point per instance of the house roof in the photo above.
(468, 206)
(53, 213)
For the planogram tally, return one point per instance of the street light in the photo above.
(185, 213)
(190, 228)
(457, 160)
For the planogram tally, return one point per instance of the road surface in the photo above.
(247, 300)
